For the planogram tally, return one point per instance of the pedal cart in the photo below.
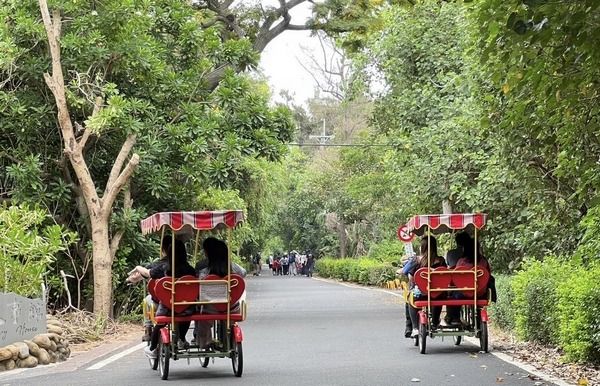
(188, 292)
(470, 282)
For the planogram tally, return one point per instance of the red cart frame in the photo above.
(472, 282)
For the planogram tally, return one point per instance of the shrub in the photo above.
(389, 250)
(579, 314)
(536, 299)
(28, 247)
(502, 312)
(364, 270)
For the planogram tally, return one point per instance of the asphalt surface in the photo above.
(303, 331)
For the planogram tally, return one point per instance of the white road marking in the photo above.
(115, 357)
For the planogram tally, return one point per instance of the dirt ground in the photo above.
(545, 359)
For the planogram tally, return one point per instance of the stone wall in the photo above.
(42, 349)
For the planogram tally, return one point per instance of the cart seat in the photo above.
(192, 292)
(461, 279)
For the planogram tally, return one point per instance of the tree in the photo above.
(125, 76)
(98, 208)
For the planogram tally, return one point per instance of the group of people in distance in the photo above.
(462, 256)
(292, 264)
(215, 263)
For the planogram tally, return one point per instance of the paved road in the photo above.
(303, 331)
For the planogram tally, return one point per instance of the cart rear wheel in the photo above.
(237, 359)
(164, 355)
(422, 338)
(483, 337)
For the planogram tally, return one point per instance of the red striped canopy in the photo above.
(204, 220)
(442, 223)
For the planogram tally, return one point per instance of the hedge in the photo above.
(554, 302)
(363, 270)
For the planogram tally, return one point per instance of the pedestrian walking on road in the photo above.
(310, 262)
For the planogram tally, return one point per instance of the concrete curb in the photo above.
(78, 359)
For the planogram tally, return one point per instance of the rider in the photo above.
(217, 253)
(182, 268)
(427, 248)
(467, 261)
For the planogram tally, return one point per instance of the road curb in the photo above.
(77, 360)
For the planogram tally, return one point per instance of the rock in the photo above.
(55, 329)
(34, 349)
(8, 364)
(53, 356)
(53, 346)
(23, 349)
(53, 336)
(42, 340)
(5, 354)
(43, 357)
(14, 350)
(28, 362)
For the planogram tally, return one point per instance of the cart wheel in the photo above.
(153, 361)
(422, 338)
(204, 361)
(164, 354)
(483, 337)
(237, 359)
(457, 340)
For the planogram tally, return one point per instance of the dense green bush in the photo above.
(363, 270)
(29, 246)
(555, 302)
(388, 250)
(502, 312)
(579, 314)
(536, 299)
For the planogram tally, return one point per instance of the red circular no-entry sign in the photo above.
(404, 235)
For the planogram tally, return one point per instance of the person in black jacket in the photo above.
(161, 269)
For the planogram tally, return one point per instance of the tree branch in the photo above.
(116, 239)
(86, 132)
(112, 189)
(56, 83)
(299, 27)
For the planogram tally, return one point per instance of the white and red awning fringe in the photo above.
(204, 220)
(441, 223)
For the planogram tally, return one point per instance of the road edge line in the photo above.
(115, 357)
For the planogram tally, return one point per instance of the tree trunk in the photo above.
(102, 266)
(343, 238)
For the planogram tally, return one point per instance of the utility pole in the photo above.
(323, 138)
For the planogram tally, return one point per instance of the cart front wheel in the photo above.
(237, 359)
(204, 361)
(153, 361)
(422, 338)
(457, 339)
(483, 337)
(164, 355)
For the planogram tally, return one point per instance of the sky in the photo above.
(279, 60)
